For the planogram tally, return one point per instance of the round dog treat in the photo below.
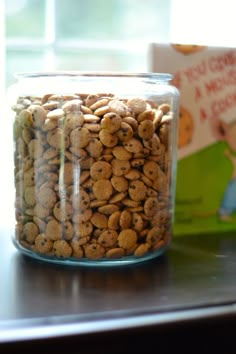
(82, 215)
(43, 244)
(71, 106)
(46, 197)
(77, 250)
(55, 114)
(125, 132)
(49, 124)
(53, 230)
(125, 219)
(146, 129)
(102, 110)
(86, 110)
(151, 206)
(120, 168)
(61, 248)
(40, 211)
(132, 122)
(121, 153)
(119, 183)
(30, 231)
(111, 122)
(54, 138)
(137, 190)
(136, 163)
(99, 220)
(141, 250)
(132, 174)
(148, 114)
(107, 138)
(80, 137)
(25, 118)
(137, 222)
(154, 235)
(114, 219)
(102, 189)
(101, 170)
(84, 175)
(151, 170)
(127, 238)
(133, 145)
(63, 210)
(108, 238)
(72, 121)
(50, 153)
(94, 251)
(130, 203)
(84, 240)
(91, 118)
(29, 177)
(83, 229)
(30, 195)
(117, 252)
(101, 102)
(91, 99)
(40, 223)
(94, 148)
(137, 105)
(80, 200)
(118, 107)
(68, 230)
(152, 144)
(117, 197)
(39, 115)
(108, 209)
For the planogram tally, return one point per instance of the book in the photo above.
(206, 171)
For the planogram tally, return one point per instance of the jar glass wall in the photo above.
(94, 166)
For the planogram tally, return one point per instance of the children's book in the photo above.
(206, 172)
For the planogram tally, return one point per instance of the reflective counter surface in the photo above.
(194, 279)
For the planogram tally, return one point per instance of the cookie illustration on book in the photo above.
(187, 49)
(186, 127)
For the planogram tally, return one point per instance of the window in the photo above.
(45, 35)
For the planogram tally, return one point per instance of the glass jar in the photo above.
(94, 166)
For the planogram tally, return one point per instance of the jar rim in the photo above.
(95, 74)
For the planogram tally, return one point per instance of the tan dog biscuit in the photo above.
(43, 244)
(94, 251)
(61, 248)
(108, 238)
(127, 238)
(101, 170)
(102, 189)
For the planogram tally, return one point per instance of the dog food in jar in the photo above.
(94, 166)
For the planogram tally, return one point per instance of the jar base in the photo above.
(85, 262)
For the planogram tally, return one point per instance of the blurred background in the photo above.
(82, 35)
(45, 35)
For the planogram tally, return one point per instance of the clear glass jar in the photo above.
(94, 166)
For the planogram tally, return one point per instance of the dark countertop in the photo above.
(194, 280)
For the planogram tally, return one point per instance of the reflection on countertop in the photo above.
(195, 271)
